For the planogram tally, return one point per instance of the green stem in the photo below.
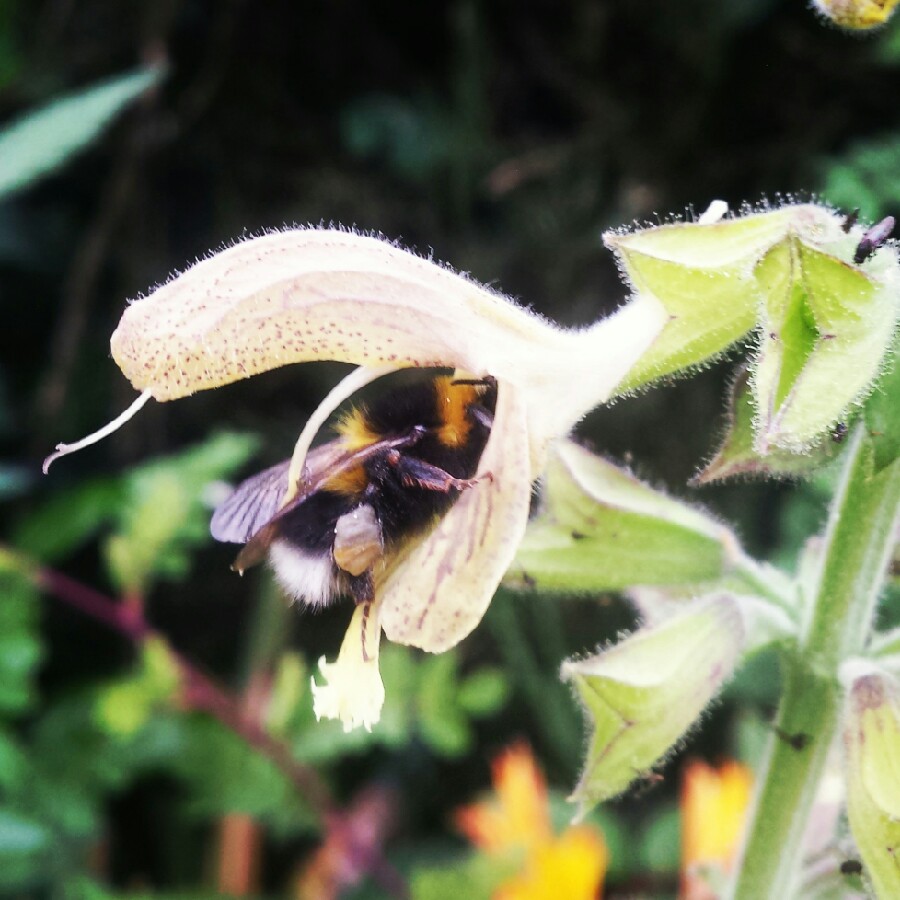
(765, 581)
(838, 624)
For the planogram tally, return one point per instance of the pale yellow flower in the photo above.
(324, 294)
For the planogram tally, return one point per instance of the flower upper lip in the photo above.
(310, 294)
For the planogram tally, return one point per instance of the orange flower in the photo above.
(517, 818)
(713, 810)
(571, 866)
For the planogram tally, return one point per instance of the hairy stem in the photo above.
(838, 624)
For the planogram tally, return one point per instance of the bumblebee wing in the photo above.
(252, 504)
(256, 501)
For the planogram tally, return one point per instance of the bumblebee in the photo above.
(393, 468)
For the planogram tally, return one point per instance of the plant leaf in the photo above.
(43, 139)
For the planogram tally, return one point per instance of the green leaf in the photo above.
(20, 648)
(660, 845)
(484, 692)
(164, 517)
(442, 721)
(69, 519)
(413, 138)
(225, 774)
(867, 176)
(14, 480)
(19, 834)
(126, 705)
(475, 878)
(43, 139)
(13, 761)
(738, 454)
(642, 695)
(601, 529)
(25, 849)
(287, 693)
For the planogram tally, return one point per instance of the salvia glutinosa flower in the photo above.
(323, 294)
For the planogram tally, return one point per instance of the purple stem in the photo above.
(200, 692)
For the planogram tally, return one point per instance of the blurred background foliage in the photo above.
(163, 741)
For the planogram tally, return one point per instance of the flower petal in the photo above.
(516, 817)
(353, 690)
(317, 294)
(571, 866)
(440, 590)
(308, 294)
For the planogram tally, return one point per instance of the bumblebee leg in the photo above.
(418, 473)
(362, 587)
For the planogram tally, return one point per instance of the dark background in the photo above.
(502, 137)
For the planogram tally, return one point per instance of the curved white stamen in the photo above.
(342, 391)
(109, 428)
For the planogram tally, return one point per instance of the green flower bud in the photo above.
(822, 293)
(872, 745)
(600, 528)
(827, 325)
(643, 694)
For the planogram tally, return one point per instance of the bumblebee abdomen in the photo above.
(311, 525)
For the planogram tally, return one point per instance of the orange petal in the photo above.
(572, 866)
(714, 805)
(516, 817)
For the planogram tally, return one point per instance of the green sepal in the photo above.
(601, 529)
(700, 273)
(872, 757)
(826, 327)
(642, 695)
(738, 453)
